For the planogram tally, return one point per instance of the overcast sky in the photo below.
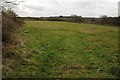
(85, 8)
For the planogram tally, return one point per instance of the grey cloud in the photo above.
(35, 7)
(93, 5)
(119, 9)
(20, 12)
(55, 2)
(88, 0)
(97, 8)
(91, 8)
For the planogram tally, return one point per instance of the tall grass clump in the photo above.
(11, 24)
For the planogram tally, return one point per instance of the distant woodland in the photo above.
(102, 20)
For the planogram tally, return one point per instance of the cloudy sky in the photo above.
(85, 8)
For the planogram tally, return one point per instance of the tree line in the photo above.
(103, 20)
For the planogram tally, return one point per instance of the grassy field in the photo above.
(68, 50)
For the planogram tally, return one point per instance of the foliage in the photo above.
(10, 38)
(11, 23)
(103, 20)
(75, 18)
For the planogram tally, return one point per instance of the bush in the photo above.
(76, 18)
(10, 24)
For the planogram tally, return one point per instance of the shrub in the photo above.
(10, 24)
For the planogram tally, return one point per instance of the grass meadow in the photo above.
(68, 50)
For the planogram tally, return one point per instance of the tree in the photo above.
(103, 16)
(75, 18)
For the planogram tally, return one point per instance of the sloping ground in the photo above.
(68, 50)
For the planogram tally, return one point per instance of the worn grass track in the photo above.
(68, 50)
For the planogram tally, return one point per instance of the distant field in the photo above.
(69, 50)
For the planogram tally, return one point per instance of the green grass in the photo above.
(68, 50)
